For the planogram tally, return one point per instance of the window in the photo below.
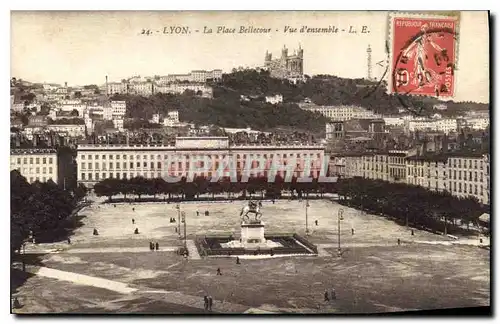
(90, 176)
(97, 165)
(44, 161)
(470, 164)
(37, 160)
(145, 164)
(50, 170)
(152, 157)
(89, 157)
(104, 175)
(111, 165)
(83, 157)
(50, 160)
(97, 158)
(459, 163)
(475, 164)
(470, 175)
(97, 176)
(117, 175)
(124, 156)
(25, 160)
(131, 165)
(475, 189)
(459, 187)
(31, 160)
(104, 165)
(118, 157)
(152, 165)
(138, 164)
(459, 175)
(44, 170)
(158, 165)
(90, 165)
(104, 157)
(82, 176)
(111, 157)
(31, 179)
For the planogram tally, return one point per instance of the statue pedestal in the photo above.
(252, 234)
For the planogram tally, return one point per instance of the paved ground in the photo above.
(374, 274)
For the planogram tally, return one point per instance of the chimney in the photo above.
(65, 84)
(107, 93)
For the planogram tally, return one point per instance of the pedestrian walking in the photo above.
(133, 221)
(133, 209)
(326, 296)
(412, 233)
(237, 260)
(399, 242)
(316, 222)
(352, 231)
(210, 302)
(219, 273)
(334, 294)
(197, 213)
(205, 302)
(69, 240)
(157, 246)
(17, 304)
(96, 232)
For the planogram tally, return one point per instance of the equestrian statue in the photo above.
(252, 207)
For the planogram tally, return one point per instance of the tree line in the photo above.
(140, 186)
(409, 204)
(38, 208)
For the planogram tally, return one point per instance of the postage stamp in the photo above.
(424, 51)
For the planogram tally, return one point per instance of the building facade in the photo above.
(70, 130)
(98, 162)
(35, 164)
(341, 113)
(462, 175)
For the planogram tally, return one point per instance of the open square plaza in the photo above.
(117, 272)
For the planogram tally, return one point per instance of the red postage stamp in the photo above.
(423, 56)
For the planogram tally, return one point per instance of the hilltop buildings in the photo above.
(286, 66)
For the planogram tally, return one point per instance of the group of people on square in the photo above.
(154, 246)
(208, 301)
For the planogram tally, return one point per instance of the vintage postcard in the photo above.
(260, 162)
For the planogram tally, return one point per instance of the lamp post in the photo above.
(185, 236)
(178, 207)
(307, 218)
(339, 218)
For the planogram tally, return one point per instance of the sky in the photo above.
(82, 47)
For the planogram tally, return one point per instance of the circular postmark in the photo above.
(424, 57)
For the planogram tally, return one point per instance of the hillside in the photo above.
(225, 111)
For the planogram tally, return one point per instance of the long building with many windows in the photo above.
(35, 164)
(461, 174)
(97, 162)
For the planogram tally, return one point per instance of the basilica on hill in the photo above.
(287, 66)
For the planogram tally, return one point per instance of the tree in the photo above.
(107, 187)
(74, 113)
(78, 94)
